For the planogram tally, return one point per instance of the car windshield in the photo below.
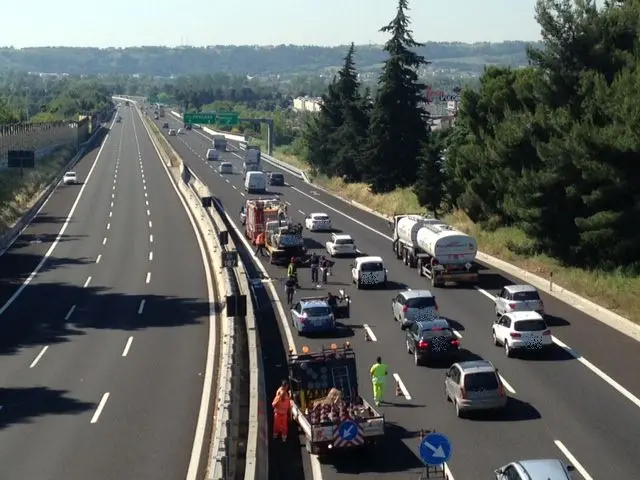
(321, 218)
(371, 267)
(344, 241)
(277, 175)
(317, 311)
(421, 302)
(530, 326)
(525, 296)
(475, 382)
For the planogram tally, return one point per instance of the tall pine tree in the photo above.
(398, 121)
(319, 128)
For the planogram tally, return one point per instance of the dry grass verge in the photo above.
(613, 290)
(19, 193)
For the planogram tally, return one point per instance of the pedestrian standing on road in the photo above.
(260, 244)
(281, 408)
(314, 264)
(378, 373)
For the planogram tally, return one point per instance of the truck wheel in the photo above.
(359, 285)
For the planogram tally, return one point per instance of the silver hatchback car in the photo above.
(411, 306)
(474, 386)
(541, 469)
(518, 298)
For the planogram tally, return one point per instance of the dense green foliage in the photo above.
(245, 60)
(554, 148)
(34, 98)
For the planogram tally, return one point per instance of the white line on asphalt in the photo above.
(114, 187)
(148, 277)
(148, 212)
(39, 356)
(234, 187)
(573, 460)
(150, 224)
(372, 335)
(146, 202)
(70, 312)
(242, 194)
(110, 214)
(486, 294)
(150, 256)
(288, 203)
(87, 282)
(150, 238)
(101, 405)
(145, 194)
(141, 307)
(144, 181)
(507, 385)
(98, 258)
(616, 386)
(104, 240)
(301, 212)
(111, 205)
(127, 346)
(113, 195)
(108, 226)
(144, 186)
(227, 180)
(65, 225)
(403, 389)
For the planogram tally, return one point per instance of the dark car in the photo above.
(432, 340)
(276, 179)
(187, 126)
(165, 125)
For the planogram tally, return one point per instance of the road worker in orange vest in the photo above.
(260, 244)
(281, 407)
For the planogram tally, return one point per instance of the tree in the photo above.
(430, 178)
(6, 115)
(398, 120)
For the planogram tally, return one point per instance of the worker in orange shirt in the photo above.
(260, 244)
(281, 407)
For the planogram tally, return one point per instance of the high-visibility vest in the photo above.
(281, 404)
(379, 372)
(260, 239)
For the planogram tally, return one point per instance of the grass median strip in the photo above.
(613, 290)
(18, 193)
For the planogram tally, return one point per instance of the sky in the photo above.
(122, 23)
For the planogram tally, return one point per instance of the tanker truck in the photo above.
(437, 250)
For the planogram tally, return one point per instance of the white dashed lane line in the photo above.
(101, 405)
(150, 224)
(104, 241)
(150, 256)
(150, 238)
(148, 277)
(86, 284)
(98, 258)
(39, 356)
(108, 226)
(127, 346)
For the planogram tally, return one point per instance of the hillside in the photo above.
(247, 60)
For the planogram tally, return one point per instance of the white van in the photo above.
(212, 154)
(369, 272)
(255, 182)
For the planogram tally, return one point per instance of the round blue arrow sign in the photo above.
(348, 430)
(435, 449)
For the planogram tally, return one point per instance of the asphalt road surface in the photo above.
(103, 353)
(578, 404)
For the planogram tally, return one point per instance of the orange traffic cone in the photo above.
(398, 389)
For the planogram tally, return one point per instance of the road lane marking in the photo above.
(403, 389)
(372, 336)
(616, 386)
(63, 229)
(113, 195)
(110, 214)
(150, 238)
(234, 187)
(150, 224)
(99, 257)
(288, 203)
(39, 356)
(108, 226)
(242, 194)
(148, 277)
(572, 460)
(301, 212)
(144, 181)
(70, 312)
(104, 241)
(150, 256)
(98, 412)
(87, 282)
(146, 202)
(486, 294)
(507, 385)
(141, 307)
(148, 212)
(227, 180)
(114, 187)
(144, 186)
(127, 347)
(145, 194)
(111, 205)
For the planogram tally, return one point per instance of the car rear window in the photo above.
(317, 311)
(475, 382)
(529, 326)
(428, 334)
(321, 217)
(277, 175)
(371, 267)
(344, 241)
(421, 302)
(526, 296)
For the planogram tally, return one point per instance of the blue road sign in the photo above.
(435, 449)
(348, 430)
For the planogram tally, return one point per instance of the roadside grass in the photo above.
(19, 193)
(615, 290)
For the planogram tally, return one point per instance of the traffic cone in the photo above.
(398, 389)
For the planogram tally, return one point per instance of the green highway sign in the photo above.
(202, 118)
(227, 119)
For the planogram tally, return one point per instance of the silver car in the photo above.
(474, 386)
(411, 306)
(518, 298)
(541, 469)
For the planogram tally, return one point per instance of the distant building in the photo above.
(307, 104)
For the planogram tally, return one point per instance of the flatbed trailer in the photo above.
(352, 423)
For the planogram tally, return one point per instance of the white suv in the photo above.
(70, 178)
(521, 331)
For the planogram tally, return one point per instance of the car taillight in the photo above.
(423, 344)
(463, 393)
(501, 390)
(303, 318)
(405, 309)
(515, 335)
(546, 332)
(455, 343)
(512, 306)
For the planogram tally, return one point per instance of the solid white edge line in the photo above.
(573, 460)
(63, 229)
(141, 307)
(39, 356)
(372, 335)
(101, 405)
(127, 346)
(507, 385)
(402, 386)
(198, 441)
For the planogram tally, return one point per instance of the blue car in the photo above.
(312, 315)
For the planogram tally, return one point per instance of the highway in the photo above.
(578, 404)
(103, 350)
